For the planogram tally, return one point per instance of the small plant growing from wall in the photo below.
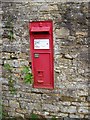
(7, 67)
(8, 32)
(10, 35)
(53, 118)
(27, 75)
(4, 113)
(34, 116)
(11, 82)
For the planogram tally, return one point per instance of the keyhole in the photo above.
(38, 72)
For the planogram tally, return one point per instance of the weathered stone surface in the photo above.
(81, 33)
(1, 62)
(20, 111)
(0, 41)
(53, 8)
(51, 108)
(62, 32)
(6, 56)
(66, 103)
(73, 116)
(72, 109)
(84, 110)
(83, 93)
(64, 115)
(46, 113)
(4, 87)
(70, 96)
(0, 48)
(88, 98)
(5, 102)
(0, 71)
(33, 106)
(10, 48)
(14, 104)
(64, 109)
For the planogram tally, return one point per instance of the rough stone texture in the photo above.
(70, 97)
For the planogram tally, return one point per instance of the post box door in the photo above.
(42, 70)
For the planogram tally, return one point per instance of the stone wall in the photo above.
(70, 97)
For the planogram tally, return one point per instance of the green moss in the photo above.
(67, 98)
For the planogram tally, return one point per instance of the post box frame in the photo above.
(43, 29)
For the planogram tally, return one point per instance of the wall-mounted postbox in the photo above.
(41, 50)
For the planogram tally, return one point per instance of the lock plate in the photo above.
(36, 55)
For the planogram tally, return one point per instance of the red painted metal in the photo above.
(41, 49)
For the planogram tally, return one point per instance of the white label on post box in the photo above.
(41, 43)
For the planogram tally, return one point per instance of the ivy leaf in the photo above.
(28, 78)
(25, 70)
(7, 67)
(10, 35)
(34, 116)
(53, 118)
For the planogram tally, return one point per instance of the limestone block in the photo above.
(5, 55)
(66, 103)
(1, 62)
(62, 115)
(15, 63)
(14, 104)
(38, 1)
(14, 55)
(68, 56)
(64, 109)
(1, 12)
(72, 109)
(82, 98)
(50, 107)
(74, 116)
(0, 41)
(81, 33)
(10, 48)
(5, 102)
(23, 62)
(0, 48)
(5, 87)
(62, 32)
(87, 116)
(88, 98)
(46, 113)
(83, 93)
(19, 115)
(84, 110)
(4, 81)
(53, 7)
(23, 56)
(33, 106)
(44, 8)
(21, 111)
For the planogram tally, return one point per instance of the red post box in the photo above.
(41, 48)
